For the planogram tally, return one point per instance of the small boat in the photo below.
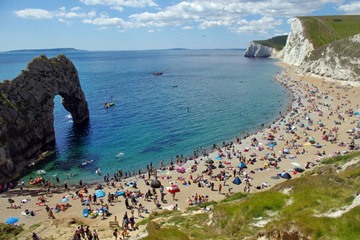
(41, 171)
(158, 73)
(87, 162)
(119, 154)
(110, 103)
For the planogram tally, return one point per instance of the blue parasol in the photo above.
(12, 220)
(242, 165)
(100, 193)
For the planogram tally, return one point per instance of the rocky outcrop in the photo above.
(27, 106)
(258, 50)
(338, 60)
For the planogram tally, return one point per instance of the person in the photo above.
(88, 233)
(66, 187)
(96, 236)
(82, 231)
(124, 231)
(132, 222)
(35, 236)
(115, 233)
(220, 186)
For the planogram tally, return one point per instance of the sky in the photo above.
(153, 24)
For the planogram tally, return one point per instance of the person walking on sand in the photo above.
(66, 186)
(88, 233)
(115, 233)
(220, 186)
(35, 236)
(95, 234)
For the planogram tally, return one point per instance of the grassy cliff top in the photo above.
(295, 209)
(322, 30)
(277, 42)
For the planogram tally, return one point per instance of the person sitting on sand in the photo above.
(14, 206)
(190, 202)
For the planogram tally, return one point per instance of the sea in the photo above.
(203, 97)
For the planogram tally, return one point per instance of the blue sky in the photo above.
(153, 24)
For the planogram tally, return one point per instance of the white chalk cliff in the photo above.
(338, 60)
(297, 47)
(258, 50)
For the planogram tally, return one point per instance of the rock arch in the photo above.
(27, 110)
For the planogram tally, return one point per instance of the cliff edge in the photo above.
(27, 106)
(317, 47)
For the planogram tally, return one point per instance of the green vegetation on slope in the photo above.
(277, 42)
(322, 30)
(316, 193)
(9, 231)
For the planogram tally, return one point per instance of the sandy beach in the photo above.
(320, 123)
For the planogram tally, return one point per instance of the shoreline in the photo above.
(298, 86)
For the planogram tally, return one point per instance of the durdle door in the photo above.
(27, 110)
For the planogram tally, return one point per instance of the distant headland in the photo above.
(62, 50)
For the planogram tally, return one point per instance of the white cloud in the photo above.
(75, 9)
(34, 13)
(351, 8)
(260, 26)
(117, 22)
(240, 16)
(188, 27)
(61, 13)
(119, 4)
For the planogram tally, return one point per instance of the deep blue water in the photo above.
(203, 97)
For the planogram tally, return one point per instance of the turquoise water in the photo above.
(203, 97)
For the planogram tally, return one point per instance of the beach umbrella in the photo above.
(209, 161)
(155, 183)
(311, 139)
(356, 113)
(12, 220)
(271, 159)
(173, 189)
(272, 144)
(242, 165)
(237, 181)
(299, 169)
(181, 169)
(64, 200)
(285, 175)
(100, 193)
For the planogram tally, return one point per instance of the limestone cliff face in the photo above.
(297, 47)
(27, 106)
(258, 50)
(338, 60)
